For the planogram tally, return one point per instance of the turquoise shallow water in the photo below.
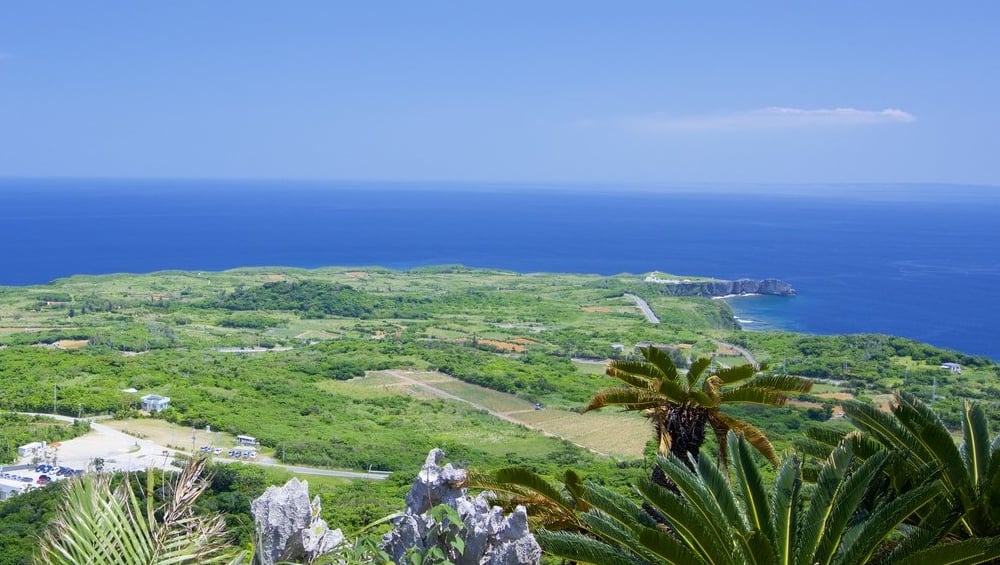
(921, 262)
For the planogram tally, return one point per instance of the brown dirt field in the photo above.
(71, 343)
(357, 274)
(502, 345)
(523, 341)
(598, 309)
(276, 277)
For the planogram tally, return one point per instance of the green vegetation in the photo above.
(85, 339)
(17, 430)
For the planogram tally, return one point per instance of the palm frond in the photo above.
(751, 485)
(975, 448)
(785, 507)
(966, 552)
(877, 527)
(828, 484)
(785, 383)
(662, 361)
(629, 398)
(733, 375)
(844, 504)
(101, 524)
(756, 437)
(696, 370)
(583, 549)
(747, 394)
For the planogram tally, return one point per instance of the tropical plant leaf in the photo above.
(662, 361)
(869, 534)
(696, 370)
(785, 506)
(756, 437)
(844, 504)
(583, 549)
(751, 485)
(828, 484)
(629, 398)
(975, 448)
(966, 552)
(732, 375)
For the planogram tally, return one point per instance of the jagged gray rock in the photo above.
(490, 538)
(289, 525)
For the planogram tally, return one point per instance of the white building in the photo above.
(246, 440)
(953, 367)
(31, 449)
(155, 403)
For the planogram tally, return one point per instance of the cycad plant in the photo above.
(970, 472)
(549, 506)
(681, 405)
(713, 522)
(102, 524)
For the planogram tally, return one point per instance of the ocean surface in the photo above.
(921, 261)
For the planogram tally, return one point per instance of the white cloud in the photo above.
(768, 118)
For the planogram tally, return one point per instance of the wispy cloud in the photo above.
(768, 118)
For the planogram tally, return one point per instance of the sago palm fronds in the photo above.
(681, 406)
(970, 471)
(100, 524)
(713, 522)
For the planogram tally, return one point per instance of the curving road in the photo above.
(646, 310)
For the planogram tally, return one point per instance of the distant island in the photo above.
(713, 288)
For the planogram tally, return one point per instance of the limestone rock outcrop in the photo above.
(289, 525)
(488, 536)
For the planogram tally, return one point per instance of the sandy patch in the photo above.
(598, 309)
(523, 341)
(72, 343)
(357, 274)
(274, 277)
(502, 345)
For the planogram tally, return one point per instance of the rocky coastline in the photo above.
(724, 288)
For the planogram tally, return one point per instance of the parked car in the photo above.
(44, 479)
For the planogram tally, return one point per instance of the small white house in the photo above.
(30, 449)
(246, 440)
(155, 403)
(953, 367)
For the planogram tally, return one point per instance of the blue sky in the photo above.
(638, 92)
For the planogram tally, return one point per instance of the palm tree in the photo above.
(714, 522)
(680, 406)
(970, 472)
(104, 525)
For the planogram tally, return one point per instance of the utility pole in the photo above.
(54, 388)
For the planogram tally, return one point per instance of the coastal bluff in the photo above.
(721, 288)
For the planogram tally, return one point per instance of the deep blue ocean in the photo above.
(916, 261)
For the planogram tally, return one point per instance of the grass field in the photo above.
(609, 432)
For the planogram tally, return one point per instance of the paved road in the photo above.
(645, 308)
(746, 354)
(123, 452)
